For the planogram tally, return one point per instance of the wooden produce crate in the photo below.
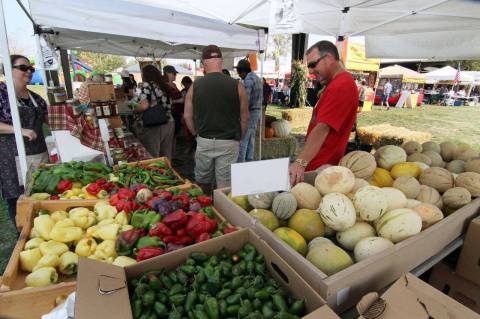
(343, 289)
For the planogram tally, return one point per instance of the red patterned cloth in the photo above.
(60, 117)
(57, 117)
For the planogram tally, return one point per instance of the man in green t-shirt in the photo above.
(216, 112)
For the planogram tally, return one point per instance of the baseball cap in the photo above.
(243, 64)
(124, 74)
(211, 52)
(169, 69)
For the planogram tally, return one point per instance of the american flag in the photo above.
(457, 76)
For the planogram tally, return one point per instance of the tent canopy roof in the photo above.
(438, 29)
(141, 30)
(448, 73)
(401, 71)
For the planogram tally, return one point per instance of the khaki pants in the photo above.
(158, 140)
(213, 159)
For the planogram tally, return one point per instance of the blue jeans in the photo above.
(247, 148)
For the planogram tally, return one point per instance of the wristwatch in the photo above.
(303, 163)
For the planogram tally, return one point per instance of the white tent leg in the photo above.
(39, 63)
(12, 98)
(262, 118)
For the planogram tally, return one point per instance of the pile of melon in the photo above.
(368, 202)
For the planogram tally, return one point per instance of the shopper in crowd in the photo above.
(33, 115)
(254, 88)
(83, 94)
(216, 111)
(226, 72)
(362, 88)
(169, 76)
(134, 82)
(334, 115)
(267, 93)
(158, 132)
(189, 138)
(387, 90)
(127, 85)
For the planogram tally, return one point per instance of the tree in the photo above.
(280, 45)
(466, 65)
(298, 85)
(102, 62)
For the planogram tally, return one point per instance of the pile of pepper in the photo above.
(157, 175)
(60, 178)
(212, 287)
(166, 221)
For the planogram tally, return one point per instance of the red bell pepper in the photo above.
(175, 220)
(181, 232)
(212, 225)
(114, 200)
(184, 199)
(101, 181)
(127, 240)
(160, 230)
(204, 200)
(202, 237)
(64, 185)
(129, 206)
(125, 193)
(169, 239)
(93, 189)
(163, 194)
(196, 226)
(54, 197)
(183, 240)
(149, 252)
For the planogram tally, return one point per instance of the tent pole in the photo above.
(12, 98)
(40, 63)
(66, 72)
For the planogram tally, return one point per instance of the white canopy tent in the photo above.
(448, 73)
(126, 28)
(433, 29)
(139, 30)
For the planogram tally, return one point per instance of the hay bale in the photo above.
(386, 134)
(299, 117)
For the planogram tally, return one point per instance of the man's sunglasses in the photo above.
(24, 68)
(313, 64)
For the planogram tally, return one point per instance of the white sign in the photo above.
(260, 177)
(284, 17)
(50, 59)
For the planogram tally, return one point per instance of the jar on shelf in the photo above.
(91, 118)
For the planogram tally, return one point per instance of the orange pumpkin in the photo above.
(268, 132)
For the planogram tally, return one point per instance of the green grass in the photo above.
(8, 236)
(456, 124)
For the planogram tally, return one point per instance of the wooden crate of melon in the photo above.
(361, 224)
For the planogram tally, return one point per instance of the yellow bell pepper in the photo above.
(33, 243)
(53, 247)
(77, 185)
(125, 228)
(91, 230)
(58, 215)
(77, 190)
(66, 234)
(107, 232)
(106, 249)
(40, 196)
(86, 247)
(67, 194)
(43, 224)
(48, 260)
(104, 211)
(29, 258)
(107, 260)
(121, 218)
(106, 222)
(82, 217)
(124, 261)
(68, 263)
(42, 277)
(34, 234)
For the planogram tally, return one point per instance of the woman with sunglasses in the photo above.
(33, 114)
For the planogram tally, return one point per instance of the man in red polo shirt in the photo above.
(334, 115)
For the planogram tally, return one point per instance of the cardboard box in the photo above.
(102, 288)
(410, 297)
(343, 289)
(101, 92)
(469, 262)
(446, 280)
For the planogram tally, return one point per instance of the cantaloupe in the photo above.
(362, 164)
(411, 147)
(456, 166)
(456, 197)
(472, 165)
(395, 198)
(431, 146)
(335, 179)
(351, 236)
(370, 246)
(447, 151)
(429, 213)
(470, 181)
(438, 178)
(430, 195)
(419, 157)
(307, 196)
(389, 155)
(408, 185)
(437, 160)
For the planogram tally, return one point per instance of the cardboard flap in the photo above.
(101, 291)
